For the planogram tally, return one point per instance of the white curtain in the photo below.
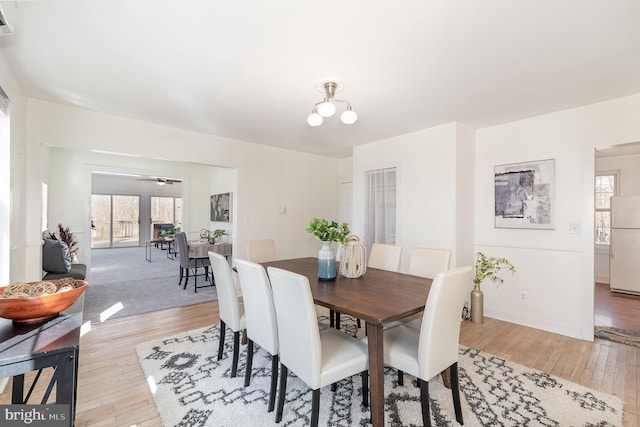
(380, 205)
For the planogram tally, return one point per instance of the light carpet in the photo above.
(191, 388)
(620, 335)
(122, 283)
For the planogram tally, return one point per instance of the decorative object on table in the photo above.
(66, 236)
(524, 195)
(328, 232)
(32, 302)
(205, 234)
(353, 258)
(217, 235)
(221, 207)
(487, 267)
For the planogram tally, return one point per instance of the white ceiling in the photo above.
(248, 70)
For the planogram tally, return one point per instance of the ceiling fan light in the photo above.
(314, 119)
(326, 109)
(349, 117)
(161, 182)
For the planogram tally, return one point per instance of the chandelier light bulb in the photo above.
(326, 109)
(314, 119)
(349, 117)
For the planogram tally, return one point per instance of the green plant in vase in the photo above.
(217, 234)
(487, 267)
(328, 232)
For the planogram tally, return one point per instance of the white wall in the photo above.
(554, 267)
(628, 168)
(434, 196)
(266, 178)
(17, 246)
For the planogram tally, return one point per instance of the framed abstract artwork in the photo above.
(221, 207)
(524, 195)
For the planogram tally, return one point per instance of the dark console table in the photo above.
(55, 344)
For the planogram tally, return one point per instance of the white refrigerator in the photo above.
(624, 250)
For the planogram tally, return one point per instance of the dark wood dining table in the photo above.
(378, 297)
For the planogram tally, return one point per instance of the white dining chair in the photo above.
(318, 358)
(260, 313)
(263, 250)
(385, 257)
(433, 348)
(427, 263)
(230, 308)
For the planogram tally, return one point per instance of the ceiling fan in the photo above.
(160, 181)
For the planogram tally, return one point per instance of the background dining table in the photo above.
(378, 297)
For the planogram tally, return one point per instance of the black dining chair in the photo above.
(188, 263)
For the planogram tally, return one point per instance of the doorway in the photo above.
(115, 221)
(617, 171)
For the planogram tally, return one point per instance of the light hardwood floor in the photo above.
(112, 390)
(616, 309)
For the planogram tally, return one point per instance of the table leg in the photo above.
(376, 373)
(67, 383)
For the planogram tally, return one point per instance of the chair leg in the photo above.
(283, 392)
(455, 390)
(247, 371)
(195, 278)
(400, 377)
(274, 381)
(424, 400)
(181, 274)
(206, 273)
(358, 323)
(186, 280)
(334, 387)
(365, 388)
(337, 320)
(315, 407)
(236, 351)
(221, 343)
(332, 315)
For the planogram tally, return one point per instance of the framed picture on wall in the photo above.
(221, 207)
(524, 195)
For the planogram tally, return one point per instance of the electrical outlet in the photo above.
(523, 296)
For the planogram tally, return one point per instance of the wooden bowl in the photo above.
(39, 308)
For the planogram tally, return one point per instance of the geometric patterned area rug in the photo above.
(191, 388)
(623, 336)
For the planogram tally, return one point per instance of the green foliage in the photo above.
(487, 267)
(218, 233)
(329, 231)
(172, 230)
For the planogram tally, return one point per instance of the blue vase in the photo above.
(326, 262)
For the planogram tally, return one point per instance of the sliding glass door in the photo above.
(115, 221)
(165, 210)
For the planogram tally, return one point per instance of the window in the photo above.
(606, 187)
(165, 210)
(380, 205)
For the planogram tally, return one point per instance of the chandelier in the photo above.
(327, 108)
